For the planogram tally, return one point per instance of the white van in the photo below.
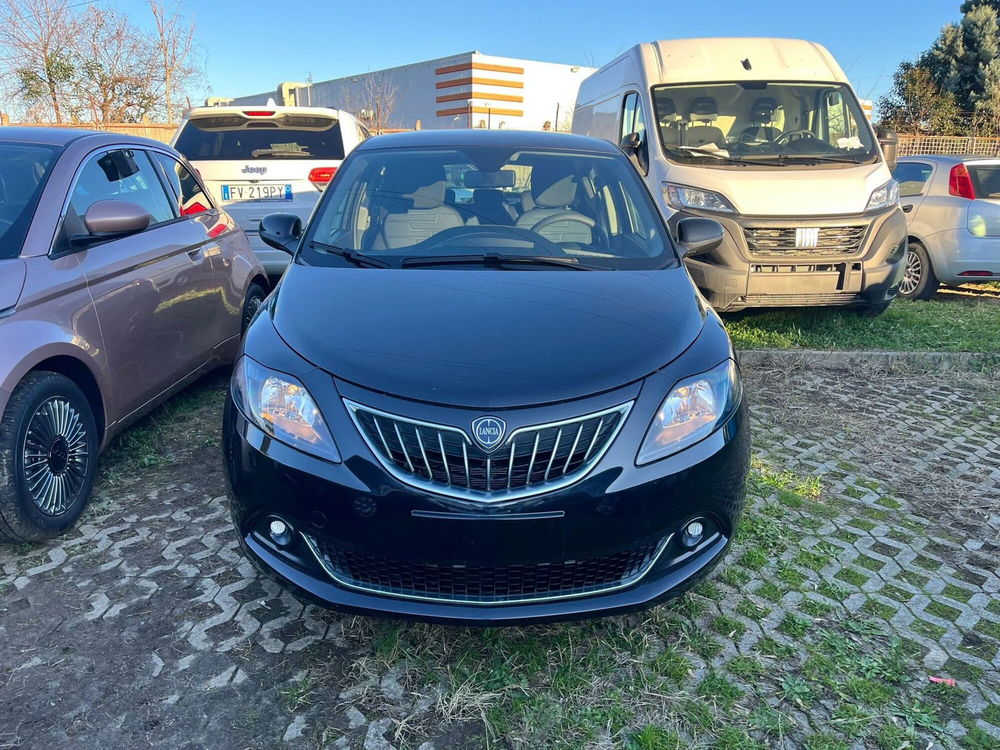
(767, 137)
(262, 159)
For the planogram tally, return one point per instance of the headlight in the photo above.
(883, 197)
(282, 407)
(681, 196)
(692, 410)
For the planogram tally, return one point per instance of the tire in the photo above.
(256, 295)
(48, 458)
(919, 281)
(873, 311)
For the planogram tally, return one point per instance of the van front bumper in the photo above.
(732, 277)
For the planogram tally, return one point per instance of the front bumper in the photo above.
(733, 278)
(358, 506)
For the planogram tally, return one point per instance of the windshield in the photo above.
(763, 123)
(524, 209)
(23, 169)
(234, 137)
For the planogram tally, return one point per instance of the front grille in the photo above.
(828, 242)
(531, 460)
(482, 584)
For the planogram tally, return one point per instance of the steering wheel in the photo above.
(795, 135)
(568, 216)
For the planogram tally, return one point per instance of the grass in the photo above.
(936, 325)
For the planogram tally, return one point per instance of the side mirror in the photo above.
(631, 143)
(281, 231)
(634, 146)
(697, 236)
(889, 142)
(110, 219)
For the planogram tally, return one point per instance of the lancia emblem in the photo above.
(806, 236)
(488, 431)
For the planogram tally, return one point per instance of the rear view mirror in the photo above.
(281, 231)
(503, 178)
(697, 236)
(109, 219)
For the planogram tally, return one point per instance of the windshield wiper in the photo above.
(497, 260)
(786, 158)
(259, 152)
(699, 151)
(358, 259)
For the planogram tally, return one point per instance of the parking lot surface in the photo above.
(867, 563)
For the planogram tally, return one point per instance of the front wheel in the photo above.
(256, 295)
(48, 457)
(919, 281)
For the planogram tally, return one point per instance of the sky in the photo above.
(250, 46)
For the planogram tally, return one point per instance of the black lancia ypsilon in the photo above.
(486, 390)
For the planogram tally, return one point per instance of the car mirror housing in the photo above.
(112, 218)
(281, 231)
(698, 235)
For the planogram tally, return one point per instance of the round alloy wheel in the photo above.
(55, 456)
(254, 302)
(911, 274)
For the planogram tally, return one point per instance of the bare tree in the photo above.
(373, 101)
(119, 79)
(175, 48)
(36, 51)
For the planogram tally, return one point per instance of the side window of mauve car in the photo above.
(192, 198)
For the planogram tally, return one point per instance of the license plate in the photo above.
(256, 192)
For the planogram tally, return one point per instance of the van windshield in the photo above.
(23, 170)
(509, 208)
(763, 123)
(233, 137)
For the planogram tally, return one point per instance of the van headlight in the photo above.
(692, 410)
(282, 407)
(682, 196)
(884, 196)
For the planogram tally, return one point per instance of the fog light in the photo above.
(693, 533)
(281, 532)
(695, 528)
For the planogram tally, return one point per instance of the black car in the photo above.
(486, 390)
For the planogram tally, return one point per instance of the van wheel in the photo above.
(873, 311)
(919, 281)
(256, 295)
(48, 457)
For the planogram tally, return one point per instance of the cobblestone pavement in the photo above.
(868, 562)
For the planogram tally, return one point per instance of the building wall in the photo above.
(459, 91)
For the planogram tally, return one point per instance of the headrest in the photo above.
(668, 111)
(558, 194)
(427, 196)
(488, 197)
(703, 109)
(763, 109)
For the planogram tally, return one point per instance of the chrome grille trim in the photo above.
(833, 241)
(447, 462)
(630, 580)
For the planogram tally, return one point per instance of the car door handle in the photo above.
(195, 253)
(907, 208)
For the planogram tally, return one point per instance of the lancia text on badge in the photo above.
(488, 431)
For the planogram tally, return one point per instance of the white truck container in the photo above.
(767, 137)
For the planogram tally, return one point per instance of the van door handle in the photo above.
(907, 208)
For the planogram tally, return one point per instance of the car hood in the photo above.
(487, 338)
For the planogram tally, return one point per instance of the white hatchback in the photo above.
(257, 160)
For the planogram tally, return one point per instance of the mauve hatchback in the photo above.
(120, 282)
(510, 407)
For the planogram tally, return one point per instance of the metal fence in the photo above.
(158, 131)
(956, 145)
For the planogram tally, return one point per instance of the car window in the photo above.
(911, 176)
(985, 180)
(233, 137)
(23, 171)
(393, 204)
(191, 198)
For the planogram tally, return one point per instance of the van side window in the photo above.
(911, 176)
(192, 199)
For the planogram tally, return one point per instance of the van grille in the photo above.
(530, 461)
(822, 242)
(483, 584)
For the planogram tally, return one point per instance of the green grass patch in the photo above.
(905, 326)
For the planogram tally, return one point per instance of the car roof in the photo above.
(64, 136)
(483, 137)
(949, 158)
(235, 109)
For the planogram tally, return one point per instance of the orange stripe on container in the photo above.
(479, 95)
(479, 66)
(480, 111)
(479, 82)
